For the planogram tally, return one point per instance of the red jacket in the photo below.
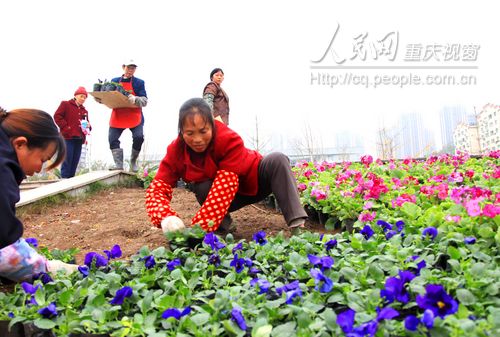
(67, 118)
(226, 152)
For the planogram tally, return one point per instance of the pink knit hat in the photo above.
(81, 91)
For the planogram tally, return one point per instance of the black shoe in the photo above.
(226, 226)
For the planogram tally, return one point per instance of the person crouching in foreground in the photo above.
(225, 176)
(28, 138)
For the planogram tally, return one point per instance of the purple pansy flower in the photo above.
(114, 253)
(44, 277)
(175, 313)
(29, 288)
(149, 261)
(32, 241)
(260, 238)
(262, 283)
(239, 246)
(174, 263)
(237, 316)
(470, 240)
(98, 259)
(320, 278)
(84, 270)
(367, 232)
(431, 232)
(240, 263)
(330, 244)
(214, 259)
(325, 262)
(49, 311)
(213, 241)
(400, 225)
(385, 225)
(395, 288)
(292, 290)
(120, 295)
(411, 323)
(437, 300)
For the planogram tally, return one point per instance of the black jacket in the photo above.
(11, 175)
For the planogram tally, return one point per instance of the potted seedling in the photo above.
(98, 86)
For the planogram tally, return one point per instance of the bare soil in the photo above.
(118, 216)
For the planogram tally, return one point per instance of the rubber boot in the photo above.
(118, 158)
(133, 160)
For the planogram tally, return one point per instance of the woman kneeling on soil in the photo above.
(224, 175)
(28, 138)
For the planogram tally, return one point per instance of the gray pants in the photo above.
(275, 176)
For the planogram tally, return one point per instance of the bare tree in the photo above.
(309, 145)
(386, 143)
(256, 142)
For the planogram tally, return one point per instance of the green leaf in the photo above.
(492, 289)
(44, 323)
(330, 224)
(486, 232)
(453, 252)
(355, 242)
(330, 318)
(411, 210)
(201, 319)
(455, 265)
(284, 330)
(465, 297)
(348, 273)
(263, 331)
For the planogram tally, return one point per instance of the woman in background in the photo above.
(73, 121)
(28, 138)
(216, 97)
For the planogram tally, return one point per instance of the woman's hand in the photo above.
(171, 224)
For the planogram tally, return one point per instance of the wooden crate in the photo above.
(112, 99)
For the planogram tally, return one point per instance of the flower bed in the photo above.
(422, 260)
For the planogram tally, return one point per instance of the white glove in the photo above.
(53, 266)
(171, 224)
(131, 98)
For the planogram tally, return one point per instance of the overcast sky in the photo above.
(272, 53)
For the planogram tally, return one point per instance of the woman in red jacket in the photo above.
(73, 121)
(223, 173)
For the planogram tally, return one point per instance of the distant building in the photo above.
(488, 121)
(415, 140)
(449, 118)
(466, 138)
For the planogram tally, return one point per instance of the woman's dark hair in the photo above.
(195, 106)
(216, 70)
(37, 126)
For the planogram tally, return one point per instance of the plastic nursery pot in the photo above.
(31, 330)
(323, 217)
(108, 87)
(348, 224)
(312, 214)
(15, 331)
(97, 87)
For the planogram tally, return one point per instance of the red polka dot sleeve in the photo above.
(219, 199)
(158, 196)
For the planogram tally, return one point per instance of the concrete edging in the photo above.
(73, 186)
